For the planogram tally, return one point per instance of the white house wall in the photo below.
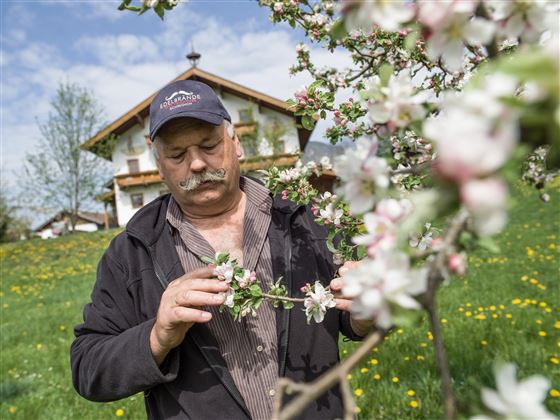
(124, 202)
(139, 150)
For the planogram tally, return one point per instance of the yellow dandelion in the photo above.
(480, 309)
(349, 376)
(484, 342)
(492, 308)
(533, 281)
(480, 317)
(502, 307)
(62, 328)
(444, 321)
(547, 310)
(395, 379)
(554, 393)
(542, 286)
(12, 410)
(411, 393)
(357, 410)
(364, 370)
(494, 316)
(39, 346)
(406, 358)
(400, 331)
(524, 277)
(468, 313)
(538, 321)
(423, 345)
(508, 316)
(542, 333)
(430, 336)
(359, 392)
(374, 361)
(554, 360)
(119, 412)
(377, 376)
(533, 301)
(542, 304)
(461, 309)
(468, 305)
(516, 301)
(414, 404)
(557, 325)
(420, 357)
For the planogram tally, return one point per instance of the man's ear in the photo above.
(156, 159)
(238, 148)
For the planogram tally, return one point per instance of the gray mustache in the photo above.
(207, 176)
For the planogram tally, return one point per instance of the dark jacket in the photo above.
(111, 356)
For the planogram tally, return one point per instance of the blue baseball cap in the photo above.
(186, 98)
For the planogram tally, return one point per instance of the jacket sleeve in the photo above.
(110, 356)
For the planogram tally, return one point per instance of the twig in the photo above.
(435, 277)
(413, 170)
(283, 298)
(315, 389)
(347, 400)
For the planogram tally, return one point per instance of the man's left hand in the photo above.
(360, 326)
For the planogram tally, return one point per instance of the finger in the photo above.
(199, 273)
(190, 315)
(203, 285)
(343, 304)
(348, 265)
(336, 285)
(191, 298)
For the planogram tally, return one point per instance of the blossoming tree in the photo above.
(447, 102)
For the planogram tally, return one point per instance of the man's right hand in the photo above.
(179, 309)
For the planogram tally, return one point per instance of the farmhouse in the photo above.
(60, 224)
(268, 129)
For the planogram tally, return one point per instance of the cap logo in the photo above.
(179, 99)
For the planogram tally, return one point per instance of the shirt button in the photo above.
(272, 392)
(260, 348)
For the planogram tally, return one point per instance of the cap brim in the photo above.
(208, 117)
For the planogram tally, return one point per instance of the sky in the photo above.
(124, 58)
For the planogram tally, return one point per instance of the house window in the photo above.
(137, 200)
(246, 115)
(133, 166)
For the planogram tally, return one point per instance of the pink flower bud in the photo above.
(457, 264)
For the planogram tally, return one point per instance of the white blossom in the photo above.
(224, 271)
(150, 3)
(517, 400)
(317, 302)
(451, 23)
(230, 294)
(396, 104)
(330, 215)
(389, 15)
(246, 279)
(486, 201)
(387, 280)
(525, 19)
(362, 173)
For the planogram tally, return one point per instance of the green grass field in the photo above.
(506, 308)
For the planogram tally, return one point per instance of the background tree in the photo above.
(60, 175)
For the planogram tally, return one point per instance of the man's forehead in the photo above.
(193, 131)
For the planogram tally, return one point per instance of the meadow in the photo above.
(505, 309)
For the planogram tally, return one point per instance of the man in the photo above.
(154, 323)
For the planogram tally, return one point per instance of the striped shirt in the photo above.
(249, 346)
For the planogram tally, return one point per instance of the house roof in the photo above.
(138, 114)
(86, 216)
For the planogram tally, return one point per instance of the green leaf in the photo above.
(385, 72)
(313, 86)
(287, 305)
(307, 122)
(206, 260)
(255, 290)
(338, 30)
(489, 244)
(160, 11)
(330, 244)
(410, 40)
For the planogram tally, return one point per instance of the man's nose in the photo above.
(196, 160)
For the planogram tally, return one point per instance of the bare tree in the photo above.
(59, 175)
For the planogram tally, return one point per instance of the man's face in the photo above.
(189, 151)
